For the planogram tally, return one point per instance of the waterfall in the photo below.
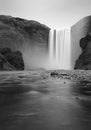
(60, 49)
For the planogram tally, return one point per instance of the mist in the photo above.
(35, 55)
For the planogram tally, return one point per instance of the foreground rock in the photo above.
(84, 60)
(11, 60)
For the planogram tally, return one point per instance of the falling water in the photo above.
(60, 49)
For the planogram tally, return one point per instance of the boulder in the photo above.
(5, 65)
(10, 60)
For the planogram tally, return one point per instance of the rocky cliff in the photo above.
(16, 31)
(27, 36)
(78, 31)
(84, 60)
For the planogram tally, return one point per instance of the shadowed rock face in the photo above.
(84, 60)
(11, 60)
(78, 31)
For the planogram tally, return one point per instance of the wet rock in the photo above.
(53, 74)
(4, 64)
(10, 60)
(82, 76)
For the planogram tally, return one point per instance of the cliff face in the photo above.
(84, 60)
(78, 31)
(15, 31)
(27, 36)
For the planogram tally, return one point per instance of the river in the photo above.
(30, 101)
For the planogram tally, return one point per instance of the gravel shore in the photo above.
(74, 75)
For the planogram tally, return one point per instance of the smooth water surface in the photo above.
(30, 101)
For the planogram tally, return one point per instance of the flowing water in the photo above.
(60, 49)
(32, 101)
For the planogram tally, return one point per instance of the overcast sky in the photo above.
(53, 13)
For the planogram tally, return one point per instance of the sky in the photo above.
(53, 13)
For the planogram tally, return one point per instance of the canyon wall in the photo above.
(78, 31)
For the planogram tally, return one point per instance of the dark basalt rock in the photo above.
(11, 60)
(84, 60)
(4, 64)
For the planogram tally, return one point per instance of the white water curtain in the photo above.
(60, 49)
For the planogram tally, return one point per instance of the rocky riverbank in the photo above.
(73, 75)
